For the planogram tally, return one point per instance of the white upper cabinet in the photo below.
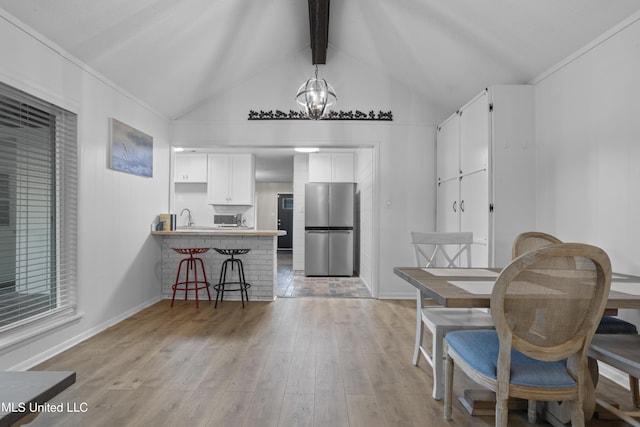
(331, 167)
(231, 179)
(486, 172)
(190, 168)
(342, 169)
(320, 167)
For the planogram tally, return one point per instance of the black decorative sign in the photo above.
(333, 115)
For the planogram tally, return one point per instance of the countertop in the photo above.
(219, 231)
(31, 388)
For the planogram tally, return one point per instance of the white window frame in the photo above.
(62, 203)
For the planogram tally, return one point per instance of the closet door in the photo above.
(448, 205)
(474, 214)
(474, 135)
(448, 149)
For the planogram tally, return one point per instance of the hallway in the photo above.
(293, 284)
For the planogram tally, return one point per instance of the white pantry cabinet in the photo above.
(190, 168)
(331, 167)
(231, 179)
(486, 171)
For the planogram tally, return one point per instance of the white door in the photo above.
(474, 135)
(448, 205)
(447, 149)
(474, 215)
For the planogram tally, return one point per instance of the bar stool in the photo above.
(192, 265)
(242, 283)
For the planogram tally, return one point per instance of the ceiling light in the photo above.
(307, 149)
(316, 97)
(177, 149)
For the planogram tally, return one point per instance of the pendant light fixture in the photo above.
(316, 97)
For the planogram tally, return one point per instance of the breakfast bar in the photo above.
(260, 263)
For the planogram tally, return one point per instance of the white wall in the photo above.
(118, 263)
(405, 147)
(300, 178)
(365, 175)
(588, 141)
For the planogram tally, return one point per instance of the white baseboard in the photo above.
(615, 375)
(45, 355)
(396, 295)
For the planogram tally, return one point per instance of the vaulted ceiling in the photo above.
(173, 54)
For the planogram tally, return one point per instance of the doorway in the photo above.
(285, 221)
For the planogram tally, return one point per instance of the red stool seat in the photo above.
(191, 284)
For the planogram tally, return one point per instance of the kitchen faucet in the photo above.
(190, 222)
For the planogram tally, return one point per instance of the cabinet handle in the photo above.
(455, 204)
(462, 206)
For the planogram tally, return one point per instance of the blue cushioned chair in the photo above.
(546, 305)
(615, 325)
(531, 240)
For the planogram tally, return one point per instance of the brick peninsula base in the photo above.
(260, 264)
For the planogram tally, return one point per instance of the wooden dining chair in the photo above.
(446, 250)
(545, 317)
(530, 240)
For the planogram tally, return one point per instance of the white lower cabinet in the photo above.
(486, 171)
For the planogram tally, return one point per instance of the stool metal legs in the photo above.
(242, 283)
(191, 285)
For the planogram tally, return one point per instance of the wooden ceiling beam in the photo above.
(319, 29)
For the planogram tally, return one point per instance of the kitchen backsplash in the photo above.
(194, 198)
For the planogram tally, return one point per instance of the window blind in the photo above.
(38, 210)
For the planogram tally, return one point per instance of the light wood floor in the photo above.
(293, 362)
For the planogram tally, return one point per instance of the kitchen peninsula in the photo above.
(260, 264)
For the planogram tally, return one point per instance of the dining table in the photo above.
(24, 394)
(472, 287)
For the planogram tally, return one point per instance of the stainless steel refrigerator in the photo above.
(329, 229)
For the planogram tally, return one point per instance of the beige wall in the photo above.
(267, 203)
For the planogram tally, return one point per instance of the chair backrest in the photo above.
(551, 313)
(442, 249)
(531, 240)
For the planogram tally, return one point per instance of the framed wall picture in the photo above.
(131, 150)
